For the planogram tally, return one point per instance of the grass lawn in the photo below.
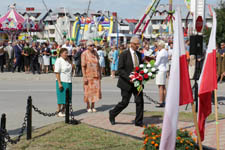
(183, 116)
(60, 136)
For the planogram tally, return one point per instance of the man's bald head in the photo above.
(135, 43)
(134, 39)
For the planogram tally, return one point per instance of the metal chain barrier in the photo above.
(150, 99)
(221, 103)
(73, 120)
(46, 114)
(7, 136)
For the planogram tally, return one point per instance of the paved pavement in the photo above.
(15, 88)
(125, 125)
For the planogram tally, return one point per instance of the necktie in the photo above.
(135, 60)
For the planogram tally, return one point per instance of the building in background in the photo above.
(59, 24)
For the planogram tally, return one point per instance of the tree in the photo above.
(220, 32)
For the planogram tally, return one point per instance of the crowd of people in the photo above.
(35, 57)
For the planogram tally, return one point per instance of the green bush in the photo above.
(152, 136)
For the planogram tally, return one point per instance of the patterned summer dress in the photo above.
(91, 70)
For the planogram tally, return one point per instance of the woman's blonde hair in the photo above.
(161, 43)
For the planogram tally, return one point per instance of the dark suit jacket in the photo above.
(125, 67)
(17, 51)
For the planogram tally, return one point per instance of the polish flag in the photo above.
(207, 80)
(179, 87)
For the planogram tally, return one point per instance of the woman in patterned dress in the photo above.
(91, 76)
(54, 55)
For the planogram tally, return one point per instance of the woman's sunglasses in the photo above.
(91, 45)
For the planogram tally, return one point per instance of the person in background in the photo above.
(170, 52)
(107, 49)
(187, 47)
(26, 56)
(46, 57)
(110, 59)
(77, 59)
(22, 44)
(101, 59)
(9, 50)
(91, 76)
(69, 47)
(222, 53)
(18, 56)
(34, 60)
(40, 58)
(54, 54)
(115, 61)
(154, 48)
(2, 56)
(161, 64)
(121, 49)
(147, 52)
(63, 71)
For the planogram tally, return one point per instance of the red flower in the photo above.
(146, 76)
(137, 69)
(136, 74)
(142, 72)
(140, 78)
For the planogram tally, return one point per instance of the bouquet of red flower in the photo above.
(142, 74)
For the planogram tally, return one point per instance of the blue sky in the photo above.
(124, 8)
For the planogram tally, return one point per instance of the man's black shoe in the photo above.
(161, 105)
(112, 119)
(139, 125)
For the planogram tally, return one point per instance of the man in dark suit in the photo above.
(128, 60)
(18, 56)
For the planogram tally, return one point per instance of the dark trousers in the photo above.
(126, 95)
(18, 63)
(2, 63)
(10, 64)
(78, 71)
(35, 65)
(107, 67)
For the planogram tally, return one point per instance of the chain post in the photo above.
(29, 118)
(2, 137)
(67, 117)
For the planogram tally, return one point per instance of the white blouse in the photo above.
(64, 68)
(162, 60)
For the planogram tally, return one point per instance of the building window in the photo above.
(52, 31)
(154, 21)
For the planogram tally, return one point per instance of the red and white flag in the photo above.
(207, 80)
(179, 88)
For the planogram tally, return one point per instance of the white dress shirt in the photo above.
(64, 68)
(162, 60)
(69, 48)
(132, 55)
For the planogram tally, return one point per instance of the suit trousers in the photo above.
(2, 63)
(35, 65)
(17, 64)
(126, 95)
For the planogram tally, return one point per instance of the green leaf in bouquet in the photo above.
(153, 76)
(139, 88)
(144, 82)
(152, 62)
(136, 83)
